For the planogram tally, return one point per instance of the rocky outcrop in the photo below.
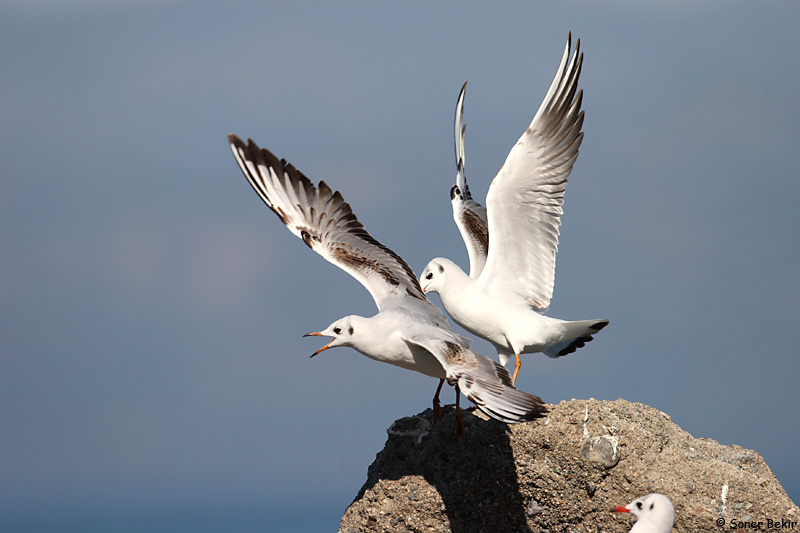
(560, 474)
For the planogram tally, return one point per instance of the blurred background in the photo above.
(152, 370)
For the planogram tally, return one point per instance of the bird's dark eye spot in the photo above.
(639, 505)
(441, 269)
(350, 331)
(429, 275)
(337, 330)
(651, 506)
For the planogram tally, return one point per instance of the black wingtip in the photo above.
(235, 141)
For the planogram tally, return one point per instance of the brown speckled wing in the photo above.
(485, 382)
(470, 216)
(325, 223)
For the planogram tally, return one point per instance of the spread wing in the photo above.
(485, 382)
(325, 222)
(470, 216)
(526, 197)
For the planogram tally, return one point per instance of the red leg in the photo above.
(437, 407)
(460, 431)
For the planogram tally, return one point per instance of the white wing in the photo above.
(470, 216)
(526, 197)
(326, 224)
(485, 382)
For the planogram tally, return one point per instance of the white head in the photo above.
(654, 513)
(342, 331)
(436, 273)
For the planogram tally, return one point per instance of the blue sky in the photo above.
(153, 370)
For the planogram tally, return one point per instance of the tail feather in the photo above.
(499, 399)
(583, 331)
(485, 382)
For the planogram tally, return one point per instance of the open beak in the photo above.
(318, 334)
(620, 510)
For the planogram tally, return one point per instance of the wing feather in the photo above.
(525, 200)
(470, 216)
(325, 222)
(485, 382)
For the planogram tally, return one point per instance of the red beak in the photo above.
(318, 334)
(620, 510)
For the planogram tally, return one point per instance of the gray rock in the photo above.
(415, 427)
(534, 508)
(562, 473)
(603, 450)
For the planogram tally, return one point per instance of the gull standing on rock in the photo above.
(408, 331)
(512, 243)
(654, 514)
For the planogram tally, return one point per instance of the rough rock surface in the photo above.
(562, 474)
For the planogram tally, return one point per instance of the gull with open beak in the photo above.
(408, 331)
